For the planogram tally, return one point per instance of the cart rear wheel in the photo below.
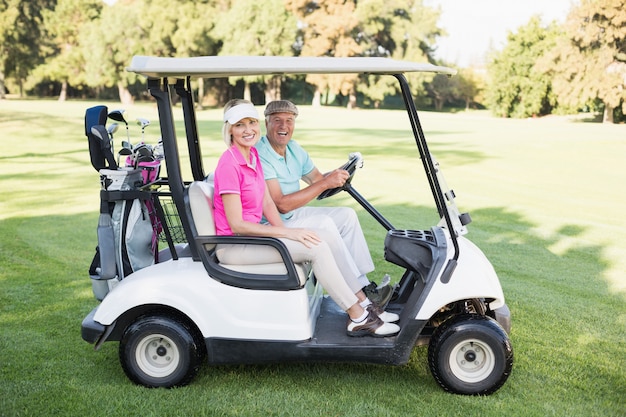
(471, 355)
(159, 351)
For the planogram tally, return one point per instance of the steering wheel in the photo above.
(353, 163)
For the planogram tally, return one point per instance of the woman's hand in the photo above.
(307, 237)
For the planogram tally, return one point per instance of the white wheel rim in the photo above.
(472, 360)
(157, 355)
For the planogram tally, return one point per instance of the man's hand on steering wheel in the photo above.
(355, 161)
(336, 178)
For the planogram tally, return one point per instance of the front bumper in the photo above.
(503, 316)
(92, 331)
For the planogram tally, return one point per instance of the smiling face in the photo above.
(246, 132)
(280, 127)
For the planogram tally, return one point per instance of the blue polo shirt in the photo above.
(288, 170)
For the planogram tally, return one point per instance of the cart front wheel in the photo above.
(158, 351)
(470, 354)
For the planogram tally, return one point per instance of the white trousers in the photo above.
(345, 223)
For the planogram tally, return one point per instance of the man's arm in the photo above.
(317, 181)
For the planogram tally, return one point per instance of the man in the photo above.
(285, 163)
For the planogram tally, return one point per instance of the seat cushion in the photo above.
(277, 268)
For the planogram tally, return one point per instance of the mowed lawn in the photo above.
(547, 202)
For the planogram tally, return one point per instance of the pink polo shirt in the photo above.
(233, 175)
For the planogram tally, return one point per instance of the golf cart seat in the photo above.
(274, 275)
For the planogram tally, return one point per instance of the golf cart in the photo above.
(186, 305)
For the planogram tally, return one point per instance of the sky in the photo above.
(476, 26)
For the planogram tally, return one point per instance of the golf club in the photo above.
(118, 116)
(125, 151)
(143, 123)
(112, 129)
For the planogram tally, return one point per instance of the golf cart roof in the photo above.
(226, 66)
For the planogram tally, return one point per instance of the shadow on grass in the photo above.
(563, 334)
(390, 147)
(47, 155)
(396, 143)
(20, 117)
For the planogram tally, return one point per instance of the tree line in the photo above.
(80, 48)
(580, 64)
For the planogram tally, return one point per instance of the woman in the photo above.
(242, 199)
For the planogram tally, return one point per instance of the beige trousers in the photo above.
(332, 270)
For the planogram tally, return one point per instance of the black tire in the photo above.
(470, 355)
(160, 351)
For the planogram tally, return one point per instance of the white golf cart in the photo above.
(187, 306)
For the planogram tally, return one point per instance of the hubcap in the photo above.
(157, 355)
(472, 360)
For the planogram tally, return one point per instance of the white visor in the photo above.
(242, 111)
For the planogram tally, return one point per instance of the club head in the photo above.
(145, 158)
(143, 150)
(112, 128)
(118, 116)
(127, 145)
(125, 151)
(143, 122)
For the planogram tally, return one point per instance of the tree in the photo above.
(64, 26)
(589, 63)
(269, 30)
(327, 28)
(470, 86)
(110, 44)
(8, 17)
(465, 87)
(517, 88)
(133, 27)
(442, 89)
(195, 35)
(387, 28)
(20, 39)
(398, 29)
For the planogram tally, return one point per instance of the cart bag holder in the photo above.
(125, 231)
(128, 226)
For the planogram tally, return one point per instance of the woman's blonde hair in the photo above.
(228, 139)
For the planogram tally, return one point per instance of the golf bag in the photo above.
(127, 227)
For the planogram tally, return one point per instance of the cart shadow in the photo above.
(384, 144)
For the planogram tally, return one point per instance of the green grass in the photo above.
(546, 197)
